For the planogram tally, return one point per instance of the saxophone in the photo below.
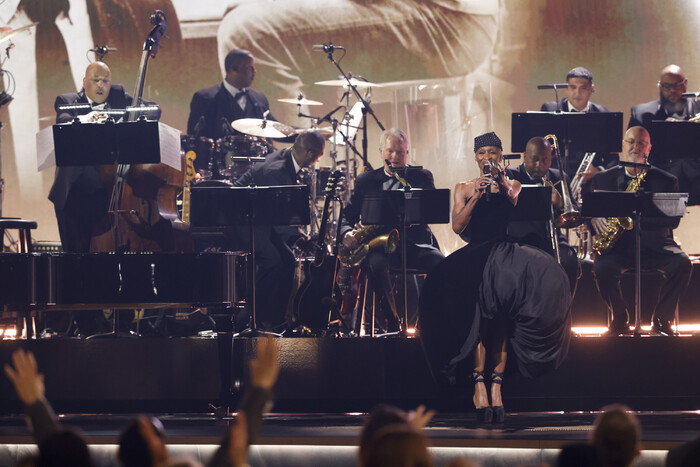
(617, 225)
(370, 240)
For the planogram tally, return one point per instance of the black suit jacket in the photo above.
(277, 170)
(644, 114)
(87, 178)
(535, 233)
(564, 107)
(215, 103)
(372, 182)
(657, 233)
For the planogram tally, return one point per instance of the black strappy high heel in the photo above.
(499, 413)
(484, 414)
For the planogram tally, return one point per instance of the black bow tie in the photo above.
(240, 94)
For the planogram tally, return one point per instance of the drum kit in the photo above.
(224, 160)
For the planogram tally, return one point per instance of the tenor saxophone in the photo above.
(617, 225)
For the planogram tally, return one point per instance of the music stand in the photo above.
(405, 208)
(220, 207)
(576, 131)
(636, 205)
(674, 142)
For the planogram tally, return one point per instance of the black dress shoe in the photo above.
(618, 328)
(663, 327)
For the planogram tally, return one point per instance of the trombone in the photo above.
(569, 217)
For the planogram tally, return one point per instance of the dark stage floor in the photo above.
(327, 439)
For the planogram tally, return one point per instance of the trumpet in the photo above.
(569, 217)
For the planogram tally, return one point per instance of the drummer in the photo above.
(213, 109)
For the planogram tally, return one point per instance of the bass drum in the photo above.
(238, 153)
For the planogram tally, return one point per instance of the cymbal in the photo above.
(342, 82)
(300, 101)
(262, 128)
(7, 32)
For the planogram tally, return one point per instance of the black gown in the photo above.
(495, 282)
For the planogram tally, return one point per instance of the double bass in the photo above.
(142, 214)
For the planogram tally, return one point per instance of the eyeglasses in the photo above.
(634, 142)
(674, 86)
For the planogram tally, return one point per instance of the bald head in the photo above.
(308, 147)
(636, 145)
(672, 84)
(97, 82)
(538, 157)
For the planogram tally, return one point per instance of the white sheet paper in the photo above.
(169, 138)
(45, 154)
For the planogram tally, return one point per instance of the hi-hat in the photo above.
(342, 82)
(7, 32)
(262, 128)
(300, 101)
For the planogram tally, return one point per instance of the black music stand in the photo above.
(217, 208)
(636, 205)
(405, 208)
(108, 143)
(576, 131)
(675, 142)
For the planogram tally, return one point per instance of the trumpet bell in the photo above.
(569, 220)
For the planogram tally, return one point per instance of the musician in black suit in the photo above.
(229, 100)
(579, 89)
(536, 169)
(671, 105)
(273, 255)
(422, 251)
(79, 197)
(658, 249)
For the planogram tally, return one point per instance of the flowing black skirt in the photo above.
(492, 284)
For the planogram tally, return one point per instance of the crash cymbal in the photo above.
(300, 101)
(262, 128)
(342, 82)
(7, 32)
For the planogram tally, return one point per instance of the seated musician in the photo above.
(536, 169)
(579, 90)
(219, 105)
(273, 255)
(658, 249)
(80, 199)
(422, 251)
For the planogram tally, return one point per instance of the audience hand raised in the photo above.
(28, 382)
(265, 368)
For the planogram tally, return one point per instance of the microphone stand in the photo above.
(366, 108)
(556, 94)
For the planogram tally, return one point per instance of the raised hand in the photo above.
(28, 382)
(265, 368)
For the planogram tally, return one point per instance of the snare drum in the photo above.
(238, 153)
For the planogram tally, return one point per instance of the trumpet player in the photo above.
(536, 169)
(658, 249)
(422, 250)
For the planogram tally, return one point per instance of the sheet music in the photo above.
(45, 153)
(169, 139)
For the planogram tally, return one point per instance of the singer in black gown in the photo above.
(493, 296)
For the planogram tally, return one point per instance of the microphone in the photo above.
(226, 128)
(199, 127)
(552, 86)
(102, 50)
(328, 48)
(327, 117)
(487, 171)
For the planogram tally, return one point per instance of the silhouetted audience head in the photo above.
(684, 455)
(397, 445)
(617, 434)
(380, 417)
(65, 447)
(134, 449)
(579, 455)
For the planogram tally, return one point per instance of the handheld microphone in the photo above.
(327, 47)
(487, 191)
